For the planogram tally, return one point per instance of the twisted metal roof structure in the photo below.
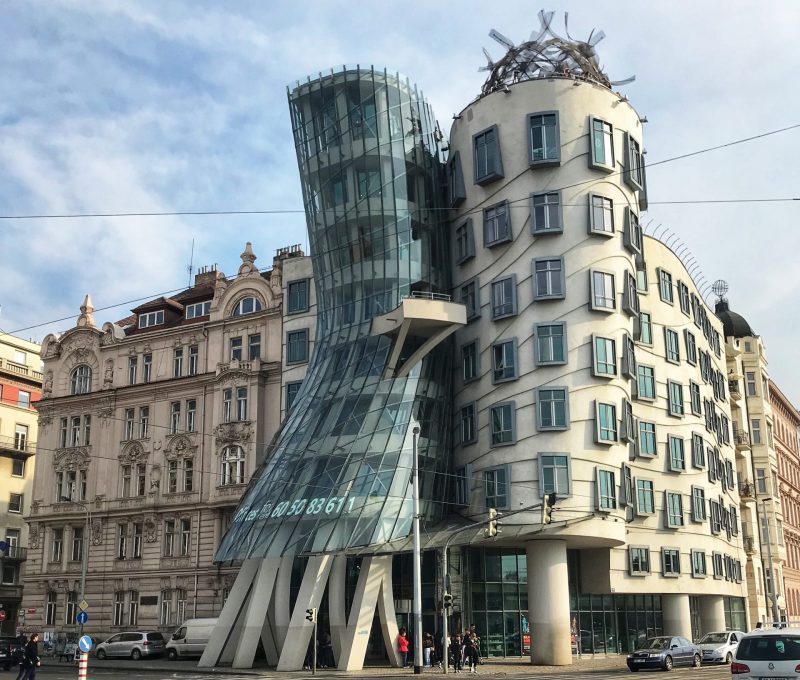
(546, 55)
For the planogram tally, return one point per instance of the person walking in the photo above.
(31, 660)
(456, 653)
(402, 647)
(427, 648)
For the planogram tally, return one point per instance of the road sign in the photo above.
(31, 610)
(85, 644)
(2, 614)
(82, 618)
(83, 605)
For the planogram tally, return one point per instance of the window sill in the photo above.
(488, 179)
(545, 163)
(499, 242)
(548, 232)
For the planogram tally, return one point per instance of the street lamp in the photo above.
(417, 609)
(772, 575)
(85, 546)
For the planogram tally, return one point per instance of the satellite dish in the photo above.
(719, 288)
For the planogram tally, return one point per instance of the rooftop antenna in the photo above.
(191, 264)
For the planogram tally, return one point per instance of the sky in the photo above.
(112, 106)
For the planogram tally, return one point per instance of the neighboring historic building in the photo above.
(756, 465)
(20, 389)
(150, 430)
(785, 431)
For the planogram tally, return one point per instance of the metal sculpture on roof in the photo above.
(545, 55)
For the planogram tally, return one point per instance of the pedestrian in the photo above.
(456, 653)
(326, 659)
(402, 647)
(470, 652)
(439, 649)
(427, 648)
(477, 640)
(309, 655)
(31, 660)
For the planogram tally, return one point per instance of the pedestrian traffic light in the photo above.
(491, 529)
(311, 614)
(447, 601)
(548, 501)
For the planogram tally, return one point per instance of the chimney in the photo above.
(207, 276)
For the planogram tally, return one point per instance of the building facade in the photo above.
(756, 466)
(20, 389)
(150, 430)
(785, 432)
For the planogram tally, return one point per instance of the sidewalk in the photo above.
(498, 668)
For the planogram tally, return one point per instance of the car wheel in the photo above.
(728, 658)
(101, 654)
(136, 655)
(668, 663)
(697, 661)
(172, 655)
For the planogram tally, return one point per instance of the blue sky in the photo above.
(126, 106)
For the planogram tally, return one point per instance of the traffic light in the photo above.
(548, 501)
(447, 601)
(311, 614)
(491, 529)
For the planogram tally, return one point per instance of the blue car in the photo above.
(665, 652)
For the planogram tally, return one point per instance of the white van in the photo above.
(190, 639)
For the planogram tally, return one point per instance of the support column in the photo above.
(677, 615)
(255, 615)
(548, 602)
(712, 613)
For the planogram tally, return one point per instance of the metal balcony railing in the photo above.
(17, 445)
(747, 490)
(425, 295)
(741, 439)
(749, 545)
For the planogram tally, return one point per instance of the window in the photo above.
(181, 592)
(670, 562)
(677, 457)
(628, 357)
(147, 368)
(174, 417)
(193, 359)
(198, 309)
(646, 383)
(717, 562)
(292, 390)
(133, 607)
(606, 423)
(50, 608)
(469, 361)
(647, 439)
(761, 480)
(151, 319)
(755, 431)
(141, 479)
(630, 296)
(634, 165)
(628, 430)
(72, 608)
(548, 278)
(632, 235)
(751, 384)
(248, 305)
(470, 298)
(177, 363)
(698, 504)
(122, 545)
(496, 225)
(698, 451)
(606, 490)
(137, 541)
(546, 217)
(186, 537)
(683, 298)
(23, 399)
(235, 345)
(81, 380)
(75, 431)
(605, 356)
(77, 544)
(456, 192)
(297, 346)
(698, 564)
(15, 503)
(504, 361)
(298, 297)
(694, 398)
(232, 465)
(132, 363)
(368, 183)
(672, 348)
(502, 422)
(504, 298)
(172, 476)
(602, 146)
(554, 474)
(603, 291)
(545, 147)
(144, 422)
(461, 484)
(20, 438)
(552, 408)
(17, 468)
(601, 215)
(665, 286)
(641, 277)
(496, 488)
(57, 545)
(241, 403)
(130, 415)
(645, 329)
(674, 509)
(487, 157)
(125, 481)
(169, 538)
(227, 403)
(188, 474)
(645, 497)
(675, 397)
(165, 616)
(465, 242)
(469, 432)
(551, 343)
(191, 413)
(639, 560)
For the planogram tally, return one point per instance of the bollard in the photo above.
(83, 666)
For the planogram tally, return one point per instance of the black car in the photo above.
(10, 652)
(665, 652)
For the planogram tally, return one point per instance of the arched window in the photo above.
(232, 465)
(81, 382)
(247, 305)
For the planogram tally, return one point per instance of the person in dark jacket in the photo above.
(31, 660)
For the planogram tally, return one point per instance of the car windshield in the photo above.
(714, 638)
(769, 648)
(155, 637)
(657, 643)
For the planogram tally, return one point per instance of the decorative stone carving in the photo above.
(247, 267)
(150, 529)
(97, 532)
(47, 386)
(71, 459)
(180, 446)
(35, 505)
(86, 319)
(105, 410)
(239, 432)
(166, 583)
(132, 452)
(45, 414)
(33, 535)
(108, 376)
(234, 372)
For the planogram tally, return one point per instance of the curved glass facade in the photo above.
(338, 474)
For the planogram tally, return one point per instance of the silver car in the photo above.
(132, 645)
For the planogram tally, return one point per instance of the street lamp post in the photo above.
(417, 610)
(772, 577)
(84, 547)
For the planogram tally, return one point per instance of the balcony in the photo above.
(15, 553)
(749, 545)
(20, 369)
(741, 440)
(17, 447)
(747, 492)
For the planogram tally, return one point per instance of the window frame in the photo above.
(598, 429)
(593, 292)
(290, 309)
(671, 403)
(540, 297)
(593, 162)
(503, 281)
(543, 162)
(467, 229)
(645, 553)
(477, 354)
(494, 172)
(653, 382)
(505, 469)
(669, 522)
(632, 236)
(596, 372)
(289, 335)
(540, 462)
(696, 573)
(675, 443)
(545, 230)
(515, 354)
(672, 553)
(149, 319)
(508, 236)
(664, 277)
(640, 439)
(605, 200)
(512, 406)
(600, 497)
(475, 312)
(633, 174)
(461, 420)
(551, 428)
(456, 190)
(647, 492)
(640, 326)
(538, 362)
(698, 512)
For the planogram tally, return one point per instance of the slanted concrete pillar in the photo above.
(677, 616)
(548, 603)
(712, 614)
(255, 614)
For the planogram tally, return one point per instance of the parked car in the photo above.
(190, 639)
(665, 652)
(767, 653)
(720, 647)
(10, 652)
(135, 645)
